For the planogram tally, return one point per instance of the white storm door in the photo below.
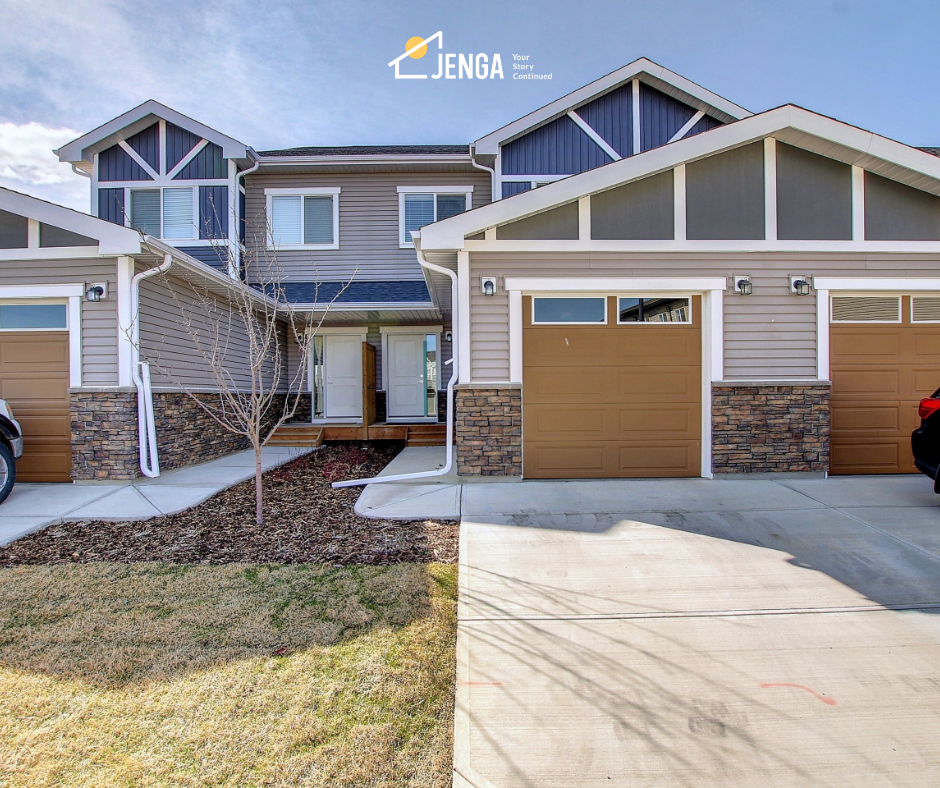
(343, 376)
(406, 376)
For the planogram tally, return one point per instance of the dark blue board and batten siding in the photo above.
(116, 164)
(146, 144)
(560, 147)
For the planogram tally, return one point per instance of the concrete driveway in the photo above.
(699, 633)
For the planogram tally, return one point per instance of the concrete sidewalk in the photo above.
(34, 506)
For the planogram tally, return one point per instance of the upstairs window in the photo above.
(303, 218)
(422, 205)
(164, 213)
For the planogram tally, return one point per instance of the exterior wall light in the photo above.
(96, 292)
(799, 285)
(742, 285)
(488, 285)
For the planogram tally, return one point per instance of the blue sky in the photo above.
(278, 74)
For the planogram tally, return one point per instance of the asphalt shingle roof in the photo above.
(357, 292)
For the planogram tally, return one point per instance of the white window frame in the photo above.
(307, 191)
(408, 243)
(654, 322)
(592, 296)
(128, 219)
(912, 296)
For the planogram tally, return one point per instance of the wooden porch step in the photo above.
(297, 435)
(426, 435)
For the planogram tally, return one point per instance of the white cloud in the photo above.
(27, 164)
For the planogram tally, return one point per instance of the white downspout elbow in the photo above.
(449, 440)
(140, 371)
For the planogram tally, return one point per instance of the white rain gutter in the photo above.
(490, 170)
(449, 441)
(140, 370)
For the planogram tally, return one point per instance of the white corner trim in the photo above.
(75, 340)
(635, 95)
(770, 188)
(463, 316)
(584, 219)
(197, 149)
(615, 284)
(861, 284)
(125, 273)
(679, 203)
(32, 234)
(515, 336)
(690, 123)
(822, 334)
(601, 143)
(858, 203)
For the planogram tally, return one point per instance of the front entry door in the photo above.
(407, 370)
(343, 376)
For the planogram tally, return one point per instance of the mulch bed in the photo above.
(306, 521)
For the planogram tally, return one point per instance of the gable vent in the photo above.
(866, 309)
(925, 309)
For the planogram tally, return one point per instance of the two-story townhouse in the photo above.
(651, 280)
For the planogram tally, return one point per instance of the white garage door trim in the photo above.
(711, 289)
(826, 285)
(74, 293)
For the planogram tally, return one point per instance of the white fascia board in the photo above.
(83, 148)
(113, 239)
(491, 142)
(449, 233)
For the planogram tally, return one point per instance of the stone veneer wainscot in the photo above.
(770, 427)
(488, 430)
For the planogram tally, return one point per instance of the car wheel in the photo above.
(7, 471)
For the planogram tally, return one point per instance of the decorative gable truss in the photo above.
(637, 108)
(168, 176)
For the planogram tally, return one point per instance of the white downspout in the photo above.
(140, 370)
(449, 441)
(238, 195)
(490, 170)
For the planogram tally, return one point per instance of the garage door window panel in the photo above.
(866, 309)
(653, 309)
(49, 317)
(569, 311)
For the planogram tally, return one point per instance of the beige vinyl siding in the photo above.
(368, 223)
(175, 357)
(99, 320)
(770, 334)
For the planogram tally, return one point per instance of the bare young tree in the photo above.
(242, 338)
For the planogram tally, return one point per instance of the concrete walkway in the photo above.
(34, 506)
(699, 633)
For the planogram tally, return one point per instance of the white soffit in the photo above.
(127, 125)
(113, 239)
(647, 71)
(789, 123)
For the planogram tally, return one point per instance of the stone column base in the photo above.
(488, 430)
(770, 427)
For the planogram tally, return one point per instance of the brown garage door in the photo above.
(34, 379)
(612, 400)
(880, 371)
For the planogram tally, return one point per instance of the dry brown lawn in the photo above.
(150, 674)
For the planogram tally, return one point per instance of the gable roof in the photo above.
(646, 71)
(139, 118)
(789, 124)
(113, 239)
